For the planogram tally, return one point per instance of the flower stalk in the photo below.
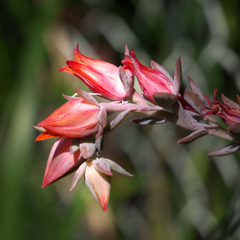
(81, 123)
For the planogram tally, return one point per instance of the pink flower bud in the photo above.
(150, 80)
(101, 77)
(61, 161)
(97, 175)
(99, 184)
(76, 118)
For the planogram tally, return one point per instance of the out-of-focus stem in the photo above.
(218, 132)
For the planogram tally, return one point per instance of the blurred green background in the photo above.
(177, 193)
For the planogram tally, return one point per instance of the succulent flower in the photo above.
(97, 175)
(70, 154)
(101, 77)
(152, 80)
(229, 111)
(61, 160)
(81, 122)
(66, 155)
(75, 118)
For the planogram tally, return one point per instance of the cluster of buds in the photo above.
(80, 124)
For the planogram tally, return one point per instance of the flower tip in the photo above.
(66, 69)
(39, 138)
(126, 50)
(104, 205)
(238, 99)
(132, 53)
(68, 62)
(76, 89)
(179, 63)
(45, 183)
(61, 69)
(80, 92)
(48, 179)
(77, 54)
(105, 209)
(41, 129)
(45, 135)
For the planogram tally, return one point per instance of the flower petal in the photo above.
(99, 184)
(120, 117)
(150, 80)
(66, 69)
(101, 77)
(72, 113)
(60, 161)
(177, 76)
(101, 164)
(193, 136)
(87, 150)
(74, 145)
(228, 149)
(102, 117)
(115, 167)
(78, 175)
(86, 96)
(100, 66)
(164, 99)
(45, 135)
(101, 82)
(127, 79)
(158, 67)
(74, 132)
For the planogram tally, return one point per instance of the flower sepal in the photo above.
(193, 136)
(234, 129)
(191, 101)
(61, 161)
(97, 175)
(87, 147)
(167, 99)
(177, 76)
(230, 148)
(127, 79)
(164, 99)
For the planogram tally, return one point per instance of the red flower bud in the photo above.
(76, 118)
(150, 80)
(101, 77)
(61, 160)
